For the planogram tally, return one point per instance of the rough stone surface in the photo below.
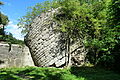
(47, 45)
(14, 56)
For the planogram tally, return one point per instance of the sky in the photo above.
(15, 9)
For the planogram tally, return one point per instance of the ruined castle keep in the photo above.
(47, 45)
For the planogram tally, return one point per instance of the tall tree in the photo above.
(3, 21)
(1, 3)
(114, 24)
(84, 22)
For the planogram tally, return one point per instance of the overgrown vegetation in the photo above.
(114, 24)
(35, 11)
(3, 21)
(95, 23)
(34, 73)
(7, 37)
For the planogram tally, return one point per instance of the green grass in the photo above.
(91, 73)
(35, 73)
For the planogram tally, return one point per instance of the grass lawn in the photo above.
(91, 73)
(35, 73)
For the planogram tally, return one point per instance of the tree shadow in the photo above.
(94, 73)
(39, 74)
(75, 73)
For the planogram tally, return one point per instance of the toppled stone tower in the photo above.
(47, 45)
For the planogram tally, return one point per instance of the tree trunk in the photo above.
(96, 56)
(68, 51)
(3, 31)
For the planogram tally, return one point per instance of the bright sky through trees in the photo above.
(15, 9)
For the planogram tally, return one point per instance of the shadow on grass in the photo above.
(75, 73)
(92, 73)
(34, 73)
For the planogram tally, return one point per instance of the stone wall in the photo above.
(14, 56)
(47, 45)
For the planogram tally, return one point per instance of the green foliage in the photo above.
(86, 22)
(96, 23)
(35, 73)
(3, 37)
(114, 12)
(35, 11)
(106, 61)
(114, 24)
(3, 19)
(93, 73)
(10, 39)
(114, 17)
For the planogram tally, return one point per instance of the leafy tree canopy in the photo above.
(35, 11)
(95, 22)
(4, 19)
